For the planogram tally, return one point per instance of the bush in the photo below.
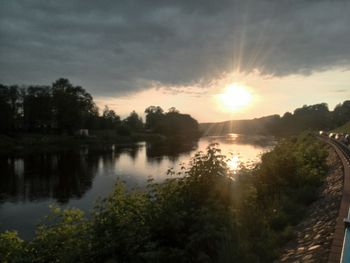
(11, 247)
(66, 237)
(203, 216)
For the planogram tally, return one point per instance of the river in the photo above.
(78, 177)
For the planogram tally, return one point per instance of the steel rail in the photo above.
(340, 248)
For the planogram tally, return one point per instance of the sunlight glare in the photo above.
(235, 97)
(234, 163)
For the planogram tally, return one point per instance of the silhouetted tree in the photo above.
(37, 108)
(172, 123)
(178, 124)
(134, 121)
(72, 105)
(173, 110)
(65, 107)
(11, 108)
(341, 113)
(6, 114)
(312, 117)
(110, 119)
(93, 119)
(154, 114)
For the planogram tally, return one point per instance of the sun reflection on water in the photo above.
(234, 163)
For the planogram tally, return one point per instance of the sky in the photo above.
(131, 54)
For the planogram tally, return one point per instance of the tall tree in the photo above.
(154, 115)
(10, 108)
(72, 105)
(110, 119)
(37, 108)
(6, 116)
(341, 113)
(134, 121)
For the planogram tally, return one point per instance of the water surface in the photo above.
(78, 177)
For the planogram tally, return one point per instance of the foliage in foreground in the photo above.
(205, 216)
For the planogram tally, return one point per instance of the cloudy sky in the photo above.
(131, 54)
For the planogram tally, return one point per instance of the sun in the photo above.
(235, 97)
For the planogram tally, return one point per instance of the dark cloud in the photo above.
(126, 45)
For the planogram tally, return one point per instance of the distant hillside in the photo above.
(254, 126)
(307, 118)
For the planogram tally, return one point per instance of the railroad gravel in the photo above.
(314, 235)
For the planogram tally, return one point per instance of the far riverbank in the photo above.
(31, 142)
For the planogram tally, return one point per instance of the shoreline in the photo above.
(32, 143)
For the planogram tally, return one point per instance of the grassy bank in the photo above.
(205, 216)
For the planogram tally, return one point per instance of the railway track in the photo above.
(340, 249)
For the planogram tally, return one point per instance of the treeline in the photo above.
(60, 107)
(65, 108)
(311, 118)
(204, 216)
(172, 122)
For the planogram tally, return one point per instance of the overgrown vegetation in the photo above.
(207, 215)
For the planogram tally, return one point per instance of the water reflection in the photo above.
(170, 149)
(234, 162)
(70, 174)
(77, 177)
(240, 139)
(59, 176)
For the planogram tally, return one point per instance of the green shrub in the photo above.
(66, 237)
(12, 248)
(202, 216)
